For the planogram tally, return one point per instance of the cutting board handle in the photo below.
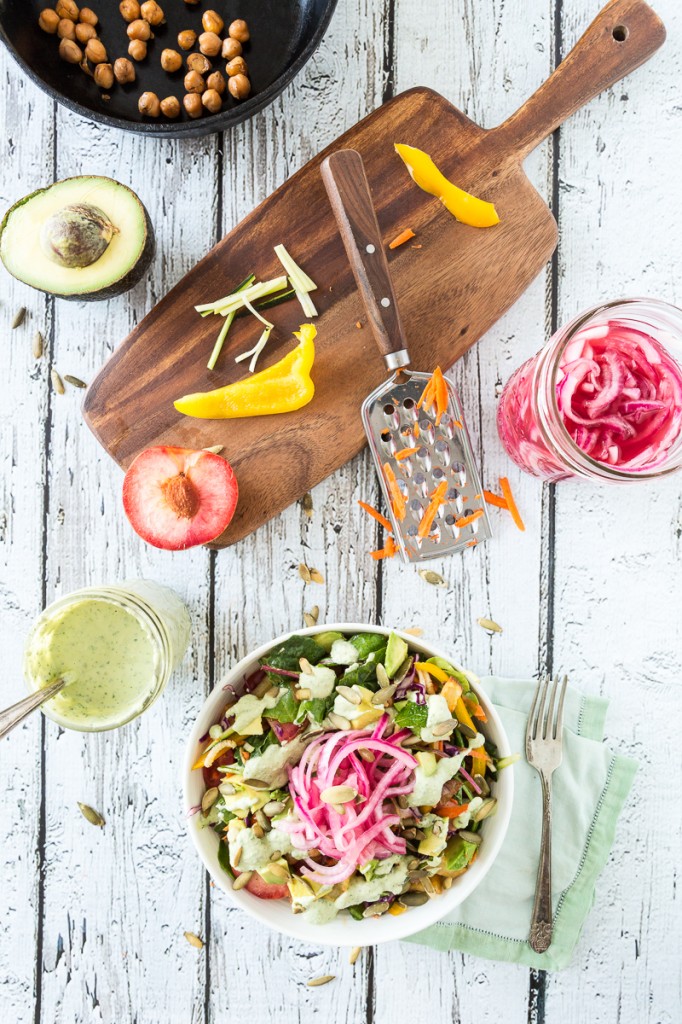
(623, 35)
(345, 180)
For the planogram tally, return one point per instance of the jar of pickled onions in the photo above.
(603, 399)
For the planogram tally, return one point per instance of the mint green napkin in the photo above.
(589, 791)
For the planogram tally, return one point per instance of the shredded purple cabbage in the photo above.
(278, 672)
(474, 785)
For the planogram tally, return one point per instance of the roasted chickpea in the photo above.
(197, 62)
(212, 100)
(170, 106)
(194, 82)
(66, 29)
(124, 71)
(137, 49)
(70, 51)
(49, 20)
(87, 16)
(67, 9)
(237, 66)
(104, 76)
(96, 52)
(216, 81)
(139, 29)
(170, 61)
(130, 10)
(192, 104)
(84, 31)
(239, 30)
(212, 22)
(231, 48)
(149, 104)
(239, 87)
(187, 39)
(210, 44)
(152, 13)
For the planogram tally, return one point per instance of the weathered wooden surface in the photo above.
(93, 921)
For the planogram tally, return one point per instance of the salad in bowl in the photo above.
(345, 775)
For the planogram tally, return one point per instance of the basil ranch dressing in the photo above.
(115, 647)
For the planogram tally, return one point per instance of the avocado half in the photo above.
(82, 238)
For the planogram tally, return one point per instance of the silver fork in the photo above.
(544, 753)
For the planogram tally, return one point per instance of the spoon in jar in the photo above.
(15, 714)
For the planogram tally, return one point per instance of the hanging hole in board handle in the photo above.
(620, 33)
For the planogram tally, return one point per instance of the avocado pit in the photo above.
(77, 235)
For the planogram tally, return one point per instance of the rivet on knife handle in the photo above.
(344, 178)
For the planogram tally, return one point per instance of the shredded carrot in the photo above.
(511, 504)
(465, 520)
(415, 246)
(376, 515)
(492, 499)
(388, 551)
(472, 543)
(405, 453)
(451, 810)
(458, 423)
(474, 709)
(431, 509)
(436, 391)
(400, 239)
(397, 499)
(245, 755)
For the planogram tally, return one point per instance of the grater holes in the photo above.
(459, 470)
(385, 436)
(412, 530)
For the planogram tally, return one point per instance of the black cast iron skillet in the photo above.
(284, 35)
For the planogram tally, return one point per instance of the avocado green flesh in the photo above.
(120, 265)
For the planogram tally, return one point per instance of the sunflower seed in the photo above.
(38, 345)
(258, 831)
(324, 980)
(429, 576)
(304, 572)
(338, 794)
(382, 676)
(57, 382)
(443, 728)
(279, 871)
(366, 755)
(242, 880)
(470, 837)
(354, 954)
(337, 721)
(262, 820)
(307, 504)
(482, 784)
(486, 809)
(467, 731)
(414, 899)
(414, 631)
(91, 815)
(76, 382)
(237, 857)
(215, 449)
(194, 940)
(303, 693)
(275, 855)
(19, 317)
(273, 807)
(316, 576)
(306, 667)
(352, 696)
(490, 625)
(209, 798)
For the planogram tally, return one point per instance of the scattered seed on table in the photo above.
(19, 317)
(354, 954)
(91, 815)
(490, 625)
(307, 503)
(434, 578)
(215, 449)
(194, 940)
(57, 382)
(414, 631)
(38, 345)
(76, 382)
(304, 572)
(324, 980)
(316, 576)
(310, 618)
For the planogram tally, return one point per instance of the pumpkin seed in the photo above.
(57, 382)
(242, 880)
(414, 899)
(209, 798)
(465, 730)
(443, 728)
(486, 809)
(279, 871)
(338, 794)
(273, 807)
(324, 980)
(351, 695)
(482, 784)
(76, 382)
(215, 449)
(434, 578)
(306, 667)
(38, 345)
(354, 954)
(19, 317)
(194, 940)
(402, 801)
(490, 625)
(316, 576)
(237, 857)
(384, 695)
(91, 815)
(337, 721)
(470, 837)
(307, 504)
(304, 572)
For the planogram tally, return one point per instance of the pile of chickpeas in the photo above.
(205, 86)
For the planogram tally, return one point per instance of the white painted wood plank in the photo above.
(617, 549)
(27, 161)
(487, 62)
(117, 901)
(259, 593)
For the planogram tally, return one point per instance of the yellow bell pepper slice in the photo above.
(462, 715)
(438, 673)
(466, 208)
(283, 387)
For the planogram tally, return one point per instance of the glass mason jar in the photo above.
(533, 427)
(116, 647)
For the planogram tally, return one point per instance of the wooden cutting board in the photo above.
(451, 290)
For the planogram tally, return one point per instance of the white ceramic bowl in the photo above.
(344, 930)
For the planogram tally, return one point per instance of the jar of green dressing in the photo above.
(115, 647)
